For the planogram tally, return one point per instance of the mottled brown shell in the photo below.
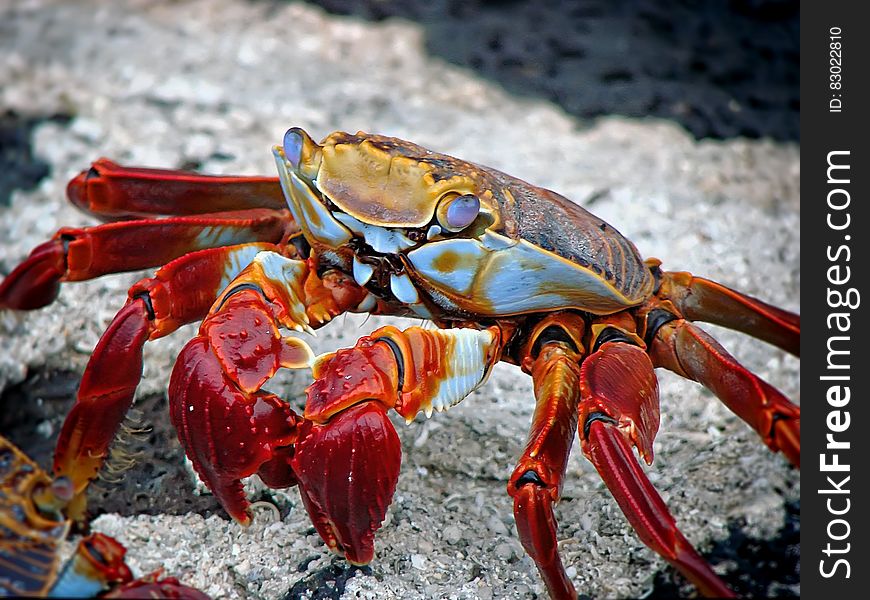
(395, 183)
(552, 222)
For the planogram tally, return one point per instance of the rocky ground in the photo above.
(212, 85)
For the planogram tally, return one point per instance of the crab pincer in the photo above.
(228, 427)
(345, 462)
(347, 469)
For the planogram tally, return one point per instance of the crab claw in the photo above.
(230, 429)
(227, 433)
(36, 281)
(347, 471)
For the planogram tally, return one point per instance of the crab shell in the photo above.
(526, 250)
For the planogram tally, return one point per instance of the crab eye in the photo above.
(460, 212)
(293, 142)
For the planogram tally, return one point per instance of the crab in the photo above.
(32, 528)
(372, 224)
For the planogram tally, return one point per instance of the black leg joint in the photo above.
(597, 416)
(654, 321)
(657, 278)
(612, 334)
(146, 298)
(302, 246)
(530, 476)
(241, 287)
(400, 362)
(553, 333)
(773, 421)
(95, 554)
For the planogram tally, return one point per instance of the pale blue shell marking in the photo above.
(73, 584)
(498, 276)
(470, 368)
(403, 289)
(214, 236)
(238, 259)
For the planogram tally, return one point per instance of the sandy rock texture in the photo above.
(214, 84)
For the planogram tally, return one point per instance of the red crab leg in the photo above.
(688, 351)
(536, 482)
(700, 299)
(619, 408)
(111, 192)
(79, 254)
(347, 496)
(229, 428)
(179, 293)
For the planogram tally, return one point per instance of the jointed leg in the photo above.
(699, 299)
(619, 408)
(688, 351)
(79, 254)
(179, 293)
(113, 192)
(537, 480)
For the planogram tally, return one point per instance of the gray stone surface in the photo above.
(217, 83)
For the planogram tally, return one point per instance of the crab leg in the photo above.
(536, 482)
(179, 293)
(688, 351)
(79, 254)
(619, 409)
(113, 192)
(700, 299)
(347, 495)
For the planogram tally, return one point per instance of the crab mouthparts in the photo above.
(335, 230)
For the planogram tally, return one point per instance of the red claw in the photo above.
(248, 343)
(347, 471)
(227, 433)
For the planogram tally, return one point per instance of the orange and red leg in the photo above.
(202, 253)
(612, 396)
(619, 409)
(679, 346)
(536, 483)
(179, 293)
